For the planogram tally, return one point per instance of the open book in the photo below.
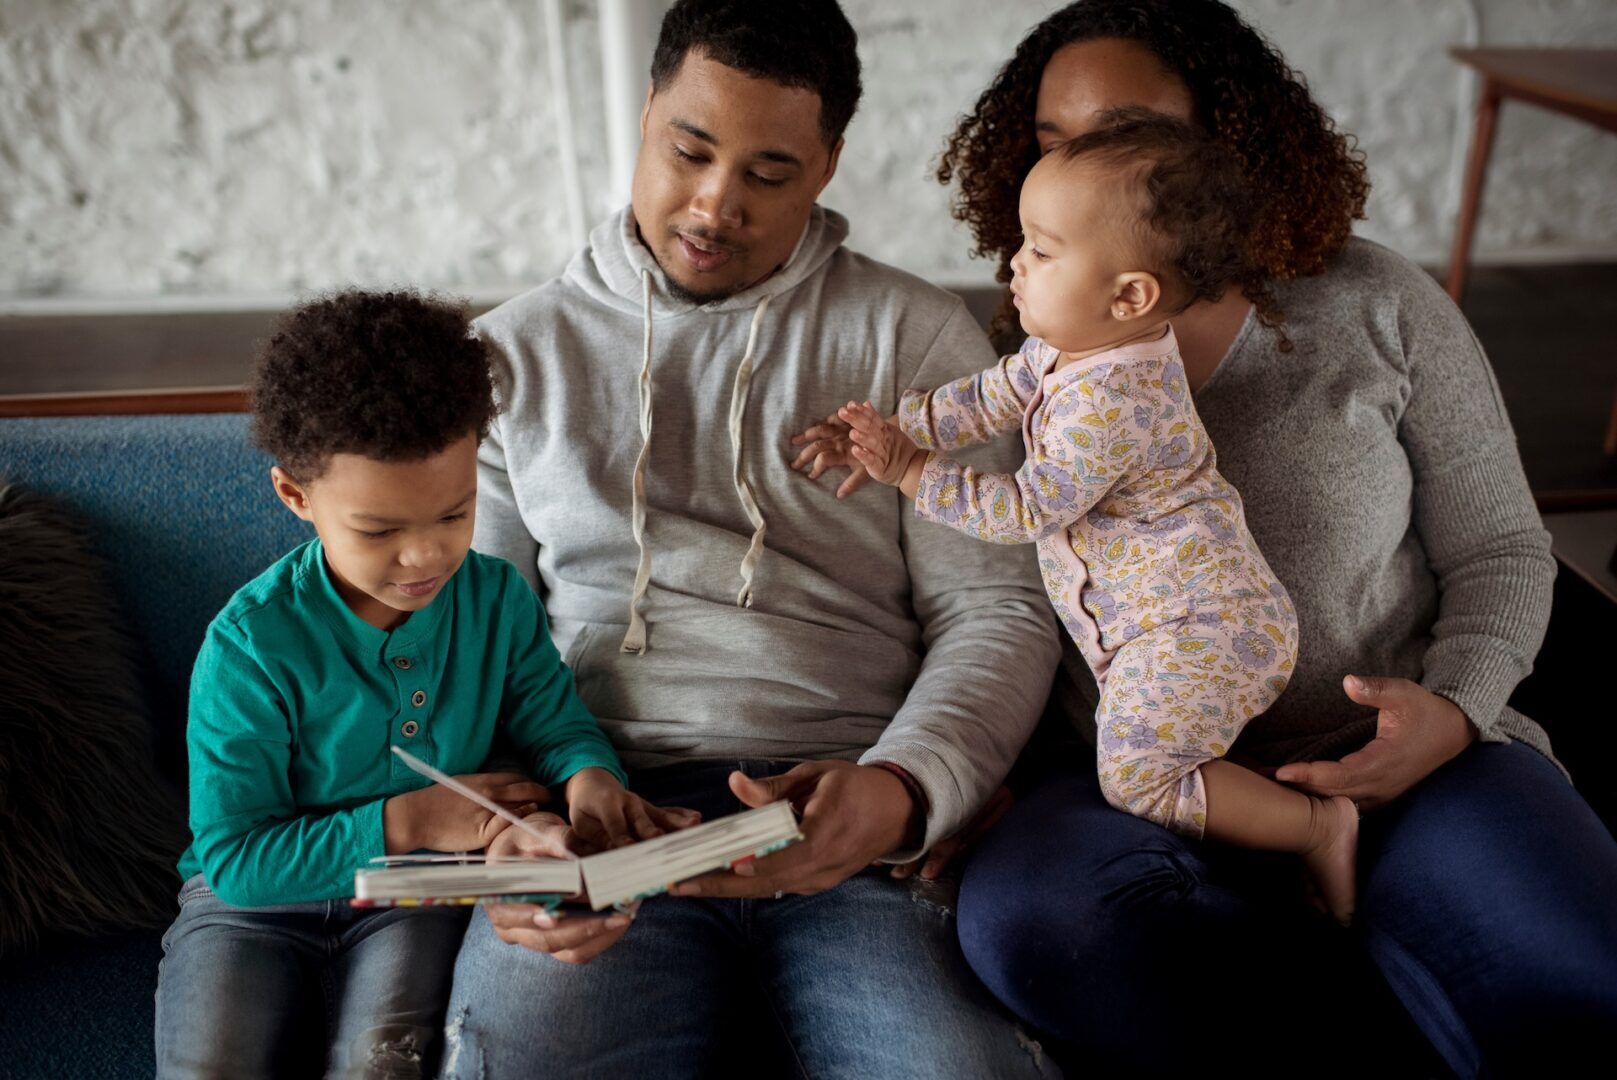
(611, 878)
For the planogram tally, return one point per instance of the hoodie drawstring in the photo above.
(634, 641)
(738, 410)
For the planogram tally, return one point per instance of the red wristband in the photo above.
(915, 831)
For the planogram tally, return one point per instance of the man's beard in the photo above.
(700, 299)
(675, 289)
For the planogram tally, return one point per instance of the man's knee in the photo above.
(462, 1055)
(391, 1052)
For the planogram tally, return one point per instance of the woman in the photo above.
(1382, 482)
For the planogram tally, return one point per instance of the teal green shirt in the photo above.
(296, 703)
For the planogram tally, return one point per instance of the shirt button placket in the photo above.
(418, 699)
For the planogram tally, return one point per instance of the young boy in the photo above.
(385, 630)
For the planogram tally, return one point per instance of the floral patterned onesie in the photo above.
(1143, 547)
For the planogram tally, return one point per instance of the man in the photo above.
(742, 635)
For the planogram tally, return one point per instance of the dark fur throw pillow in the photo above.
(89, 831)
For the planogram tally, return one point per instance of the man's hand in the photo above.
(605, 815)
(437, 819)
(827, 446)
(572, 939)
(852, 815)
(1416, 732)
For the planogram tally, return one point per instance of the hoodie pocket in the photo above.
(745, 682)
(581, 642)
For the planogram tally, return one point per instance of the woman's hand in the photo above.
(1416, 732)
(827, 446)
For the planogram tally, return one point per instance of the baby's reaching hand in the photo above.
(881, 447)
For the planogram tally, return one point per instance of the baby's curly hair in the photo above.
(1308, 178)
(1190, 203)
(394, 376)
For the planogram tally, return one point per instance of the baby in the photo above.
(1143, 546)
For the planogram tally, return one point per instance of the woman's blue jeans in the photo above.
(1487, 903)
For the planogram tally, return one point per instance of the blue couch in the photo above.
(182, 508)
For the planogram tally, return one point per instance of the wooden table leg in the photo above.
(1471, 200)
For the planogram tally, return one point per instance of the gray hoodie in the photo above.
(713, 603)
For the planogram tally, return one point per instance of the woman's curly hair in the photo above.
(393, 376)
(1308, 178)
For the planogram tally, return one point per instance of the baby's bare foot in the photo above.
(1331, 858)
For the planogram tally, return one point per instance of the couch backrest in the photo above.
(182, 508)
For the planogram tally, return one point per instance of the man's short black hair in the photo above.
(393, 376)
(797, 43)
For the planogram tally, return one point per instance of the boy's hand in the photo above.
(437, 819)
(558, 843)
(606, 815)
(879, 444)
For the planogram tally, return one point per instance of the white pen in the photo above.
(459, 788)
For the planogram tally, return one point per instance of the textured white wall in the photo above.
(190, 147)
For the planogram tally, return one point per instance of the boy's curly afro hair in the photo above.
(394, 376)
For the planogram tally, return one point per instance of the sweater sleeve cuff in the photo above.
(912, 419)
(370, 835)
(1479, 681)
(588, 759)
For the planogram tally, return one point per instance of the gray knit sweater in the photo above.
(1382, 482)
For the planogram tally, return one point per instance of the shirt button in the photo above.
(419, 698)
(402, 663)
(410, 728)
